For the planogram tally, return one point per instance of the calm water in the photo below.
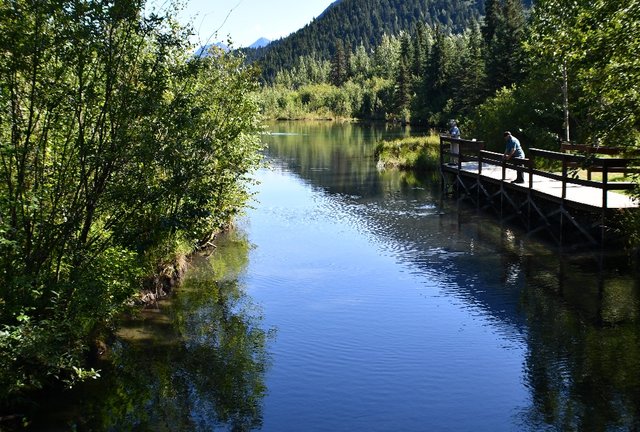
(354, 300)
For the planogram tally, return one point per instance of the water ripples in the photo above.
(381, 303)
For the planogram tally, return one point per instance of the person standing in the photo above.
(454, 131)
(513, 149)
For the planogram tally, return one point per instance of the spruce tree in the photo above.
(338, 65)
(470, 88)
(504, 33)
(403, 81)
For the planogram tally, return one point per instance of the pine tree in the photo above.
(402, 88)
(385, 57)
(493, 15)
(471, 76)
(504, 48)
(338, 65)
(361, 64)
(436, 83)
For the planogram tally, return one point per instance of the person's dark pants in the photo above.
(519, 174)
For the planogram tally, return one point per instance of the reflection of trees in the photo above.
(583, 354)
(332, 155)
(579, 312)
(207, 369)
(582, 376)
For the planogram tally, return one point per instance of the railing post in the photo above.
(478, 180)
(564, 179)
(605, 190)
(605, 184)
(442, 174)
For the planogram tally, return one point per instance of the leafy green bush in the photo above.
(125, 149)
(514, 109)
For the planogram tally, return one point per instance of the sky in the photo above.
(248, 20)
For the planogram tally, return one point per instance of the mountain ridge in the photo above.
(260, 43)
(362, 22)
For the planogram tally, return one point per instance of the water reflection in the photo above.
(576, 312)
(197, 363)
(397, 309)
(582, 377)
(579, 313)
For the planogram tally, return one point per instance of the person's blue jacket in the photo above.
(513, 147)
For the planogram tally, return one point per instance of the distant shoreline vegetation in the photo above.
(511, 70)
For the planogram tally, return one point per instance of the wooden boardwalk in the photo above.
(576, 194)
(557, 202)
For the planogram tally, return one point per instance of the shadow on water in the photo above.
(578, 311)
(197, 362)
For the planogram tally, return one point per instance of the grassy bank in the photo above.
(414, 153)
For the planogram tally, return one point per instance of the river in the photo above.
(349, 299)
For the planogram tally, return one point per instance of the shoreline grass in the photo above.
(413, 153)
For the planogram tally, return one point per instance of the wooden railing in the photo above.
(453, 152)
(625, 165)
(522, 165)
(604, 165)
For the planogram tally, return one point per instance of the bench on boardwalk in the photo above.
(628, 164)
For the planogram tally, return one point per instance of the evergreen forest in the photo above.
(549, 71)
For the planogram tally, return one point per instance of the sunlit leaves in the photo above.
(599, 41)
(113, 140)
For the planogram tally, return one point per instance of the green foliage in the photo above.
(492, 116)
(420, 153)
(209, 372)
(424, 78)
(598, 42)
(113, 139)
(504, 33)
(517, 110)
(470, 85)
(323, 100)
(435, 86)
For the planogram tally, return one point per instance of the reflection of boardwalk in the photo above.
(559, 203)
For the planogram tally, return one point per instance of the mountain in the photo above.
(222, 46)
(355, 22)
(260, 43)
(204, 50)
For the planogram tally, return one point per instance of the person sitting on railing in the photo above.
(513, 149)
